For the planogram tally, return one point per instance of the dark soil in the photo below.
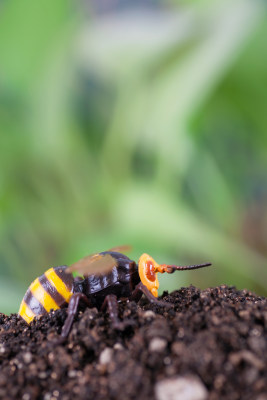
(211, 345)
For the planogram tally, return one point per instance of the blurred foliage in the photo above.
(144, 126)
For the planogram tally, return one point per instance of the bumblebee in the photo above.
(106, 277)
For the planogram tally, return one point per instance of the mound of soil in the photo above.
(210, 345)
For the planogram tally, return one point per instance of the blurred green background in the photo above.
(129, 122)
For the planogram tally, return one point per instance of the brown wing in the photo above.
(121, 249)
(94, 264)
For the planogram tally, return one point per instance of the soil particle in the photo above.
(210, 345)
(183, 388)
(106, 356)
(158, 344)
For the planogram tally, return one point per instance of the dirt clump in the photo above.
(210, 345)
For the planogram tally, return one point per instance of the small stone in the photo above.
(158, 344)
(149, 314)
(181, 388)
(106, 356)
(27, 357)
(72, 373)
(118, 346)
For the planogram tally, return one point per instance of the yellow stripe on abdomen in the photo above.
(25, 312)
(57, 282)
(42, 296)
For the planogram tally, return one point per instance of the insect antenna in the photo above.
(171, 268)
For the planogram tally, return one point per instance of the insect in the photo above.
(107, 277)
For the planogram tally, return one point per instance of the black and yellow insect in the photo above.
(107, 277)
(50, 291)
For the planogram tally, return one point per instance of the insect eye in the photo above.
(147, 269)
(150, 271)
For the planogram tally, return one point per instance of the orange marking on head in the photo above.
(150, 271)
(147, 269)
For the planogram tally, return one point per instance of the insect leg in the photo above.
(152, 299)
(136, 294)
(111, 304)
(72, 309)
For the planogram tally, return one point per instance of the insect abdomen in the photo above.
(50, 291)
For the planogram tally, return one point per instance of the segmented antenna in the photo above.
(196, 266)
(171, 268)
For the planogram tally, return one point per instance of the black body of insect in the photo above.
(107, 277)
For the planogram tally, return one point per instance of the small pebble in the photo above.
(181, 388)
(149, 314)
(158, 344)
(118, 346)
(72, 373)
(27, 357)
(106, 356)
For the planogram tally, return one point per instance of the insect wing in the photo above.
(83, 262)
(121, 249)
(95, 264)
